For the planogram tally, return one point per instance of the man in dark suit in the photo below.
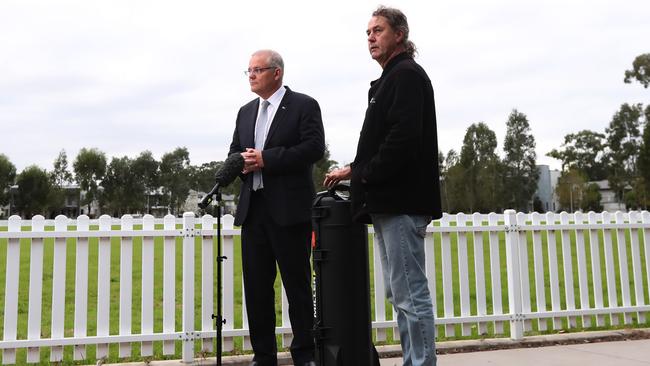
(280, 135)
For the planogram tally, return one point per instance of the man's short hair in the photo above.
(275, 60)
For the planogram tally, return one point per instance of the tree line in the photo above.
(474, 180)
(619, 155)
(121, 185)
(478, 180)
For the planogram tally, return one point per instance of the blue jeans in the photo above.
(401, 250)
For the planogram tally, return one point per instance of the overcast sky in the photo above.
(129, 76)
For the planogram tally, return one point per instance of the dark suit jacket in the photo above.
(295, 141)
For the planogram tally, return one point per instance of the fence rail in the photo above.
(488, 274)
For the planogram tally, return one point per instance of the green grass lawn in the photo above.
(158, 277)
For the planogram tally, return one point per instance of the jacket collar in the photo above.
(391, 65)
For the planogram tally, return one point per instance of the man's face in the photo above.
(382, 39)
(265, 81)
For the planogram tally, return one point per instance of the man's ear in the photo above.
(400, 36)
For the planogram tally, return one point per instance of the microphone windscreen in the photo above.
(230, 169)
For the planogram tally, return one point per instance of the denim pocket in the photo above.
(421, 223)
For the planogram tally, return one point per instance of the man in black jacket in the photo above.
(395, 178)
(280, 135)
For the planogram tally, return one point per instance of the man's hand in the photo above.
(253, 160)
(335, 176)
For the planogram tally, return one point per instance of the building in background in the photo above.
(546, 184)
(608, 197)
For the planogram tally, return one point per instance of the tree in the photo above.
(623, 140)
(89, 169)
(59, 177)
(585, 151)
(321, 168)
(444, 166)
(491, 186)
(521, 173)
(146, 169)
(453, 192)
(203, 176)
(570, 189)
(174, 177)
(7, 176)
(123, 190)
(640, 70)
(591, 199)
(33, 191)
(480, 183)
(643, 163)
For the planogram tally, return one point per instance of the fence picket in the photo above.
(58, 287)
(126, 285)
(495, 272)
(636, 266)
(514, 275)
(169, 284)
(479, 273)
(622, 266)
(567, 260)
(188, 287)
(525, 270)
(538, 259)
(35, 289)
(380, 296)
(11, 290)
(286, 322)
(103, 284)
(228, 280)
(208, 259)
(147, 308)
(596, 268)
(582, 270)
(463, 274)
(81, 288)
(447, 279)
(609, 267)
(645, 218)
(554, 275)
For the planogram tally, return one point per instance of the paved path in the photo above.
(628, 347)
(622, 353)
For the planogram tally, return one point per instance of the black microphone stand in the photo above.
(218, 317)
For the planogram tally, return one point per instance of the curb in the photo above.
(477, 345)
(447, 347)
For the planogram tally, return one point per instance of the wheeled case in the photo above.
(342, 322)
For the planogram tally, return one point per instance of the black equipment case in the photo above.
(342, 324)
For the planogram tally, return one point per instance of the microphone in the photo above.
(229, 171)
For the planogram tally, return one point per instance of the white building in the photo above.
(608, 197)
(546, 188)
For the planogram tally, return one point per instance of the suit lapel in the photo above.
(280, 115)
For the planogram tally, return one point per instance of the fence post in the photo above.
(188, 287)
(11, 290)
(513, 267)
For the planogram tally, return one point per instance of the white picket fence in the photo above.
(528, 245)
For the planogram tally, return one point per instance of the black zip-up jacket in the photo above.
(396, 169)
